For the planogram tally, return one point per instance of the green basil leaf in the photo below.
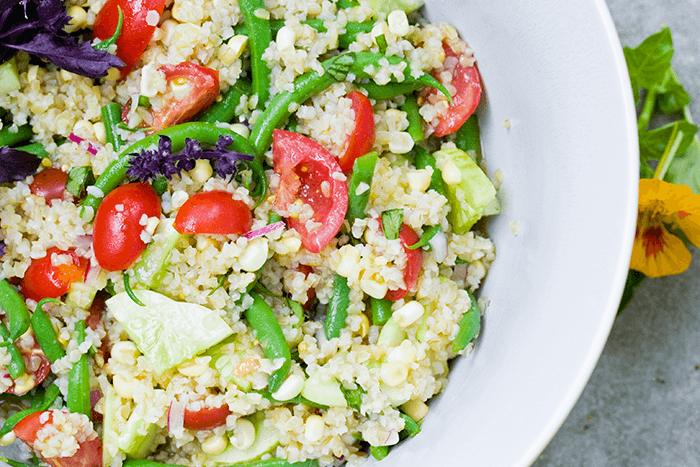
(424, 240)
(78, 179)
(391, 223)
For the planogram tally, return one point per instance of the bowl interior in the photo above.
(555, 71)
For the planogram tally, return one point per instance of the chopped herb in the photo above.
(78, 179)
(107, 43)
(160, 185)
(428, 234)
(16, 165)
(391, 223)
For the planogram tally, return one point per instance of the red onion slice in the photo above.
(264, 230)
(176, 417)
(92, 147)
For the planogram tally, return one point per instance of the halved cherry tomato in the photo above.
(203, 86)
(89, 453)
(36, 364)
(361, 139)
(206, 418)
(136, 30)
(467, 82)
(414, 262)
(52, 276)
(49, 183)
(310, 175)
(213, 212)
(117, 228)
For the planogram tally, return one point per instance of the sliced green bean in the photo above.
(358, 195)
(225, 110)
(390, 90)
(205, 133)
(16, 366)
(269, 333)
(415, 121)
(78, 397)
(10, 138)
(410, 425)
(111, 118)
(45, 333)
(379, 452)
(469, 326)
(425, 159)
(337, 307)
(15, 309)
(259, 39)
(468, 138)
(41, 400)
(381, 310)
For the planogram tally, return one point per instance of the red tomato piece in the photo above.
(311, 175)
(203, 89)
(311, 293)
(136, 30)
(213, 212)
(414, 262)
(52, 275)
(467, 82)
(206, 418)
(49, 183)
(361, 139)
(117, 228)
(89, 453)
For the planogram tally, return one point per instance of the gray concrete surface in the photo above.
(641, 407)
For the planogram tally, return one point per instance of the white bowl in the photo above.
(555, 70)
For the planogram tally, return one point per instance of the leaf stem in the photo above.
(669, 154)
(647, 110)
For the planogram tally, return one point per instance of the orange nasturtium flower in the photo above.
(663, 205)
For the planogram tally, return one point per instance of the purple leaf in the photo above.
(2, 248)
(16, 165)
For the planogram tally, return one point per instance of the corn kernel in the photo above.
(202, 171)
(394, 373)
(398, 23)
(192, 369)
(364, 325)
(241, 129)
(292, 244)
(214, 445)
(123, 386)
(314, 427)
(124, 352)
(373, 288)
(254, 255)
(419, 180)
(243, 434)
(408, 314)
(8, 439)
(416, 409)
(100, 133)
(113, 74)
(290, 388)
(78, 19)
(451, 173)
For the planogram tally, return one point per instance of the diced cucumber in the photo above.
(9, 78)
(137, 437)
(391, 333)
(394, 395)
(150, 268)
(387, 6)
(266, 440)
(493, 208)
(81, 295)
(323, 392)
(221, 362)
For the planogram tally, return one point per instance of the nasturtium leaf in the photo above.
(673, 96)
(650, 61)
(685, 168)
(652, 144)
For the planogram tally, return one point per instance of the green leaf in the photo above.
(652, 144)
(634, 278)
(78, 179)
(428, 234)
(650, 61)
(391, 223)
(685, 168)
(673, 97)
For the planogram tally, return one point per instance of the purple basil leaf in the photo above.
(52, 15)
(16, 165)
(2, 248)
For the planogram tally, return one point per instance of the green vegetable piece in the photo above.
(144, 102)
(423, 160)
(15, 309)
(389, 91)
(45, 333)
(428, 233)
(41, 400)
(354, 397)
(379, 452)
(322, 391)
(410, 425)
(391, 223)
(78, 398)
(650, 61)
(12, 138)
(137, 436)
(150, 269)
(260, 38)
(167, 332)
(468, 138)
(391, 333)
(469, 326)
(387, 6)
(105, 44)
(9, 77)
(78, 180)
(266, 439)
(112, 118)
(470, 197)
(415, 120)
(34, 148)
(225, 110)
(337, 307)
(381, 310)
(16, 366)
(359, 186)
(297, 310)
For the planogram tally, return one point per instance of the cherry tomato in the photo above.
(117, 228)
(36, 364)
(206, 418)
(49, 183)
(52, 275)
(89, 453)
(414, 262)
(361, 139)
(203, 86)
(309, 174)
(136, 31)
(467, 82)
(213, 212)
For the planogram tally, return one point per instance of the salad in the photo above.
(234, 232)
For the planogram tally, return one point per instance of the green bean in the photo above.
(10, 138)
(379, 452)
(469, 326)
(225, 110)
(415, 121)
(260, 38)
(111, 118)
(203, 132)
(425, 159)
(16, 366)
(40, 401)
(410, 425)
(14, 463)
(78, 397)
(337, 307)
(269, 333)
(389, 91)
(468, 138)
(381, 310)
(15, 309)
(362, 172)
(45, 333)
(37, 149)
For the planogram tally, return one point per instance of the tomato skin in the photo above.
(50, 183)
(362, 138)
(204, 88)
(414, 262)
(89, 452)
(45, 280)
(117, 233)
(206, 418)
(213, 212)
(304, 167)
(468, 84)
(136, 32)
